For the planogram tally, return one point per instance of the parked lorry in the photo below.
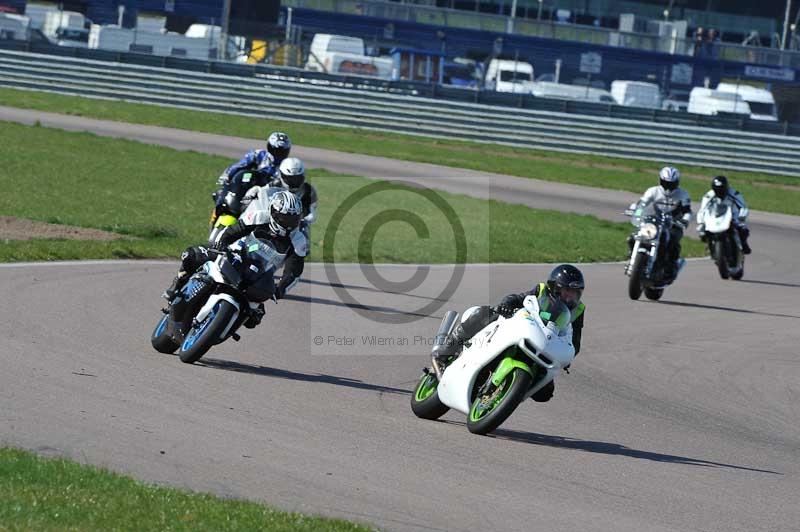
(340, 54)
(636, 94)
(199, 42)
(760, 101)
(706, 101)
(67, 28)
(506, 75)
(550, 89)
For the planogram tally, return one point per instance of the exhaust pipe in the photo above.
(448, 322)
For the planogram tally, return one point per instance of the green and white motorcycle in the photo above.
(505, 363)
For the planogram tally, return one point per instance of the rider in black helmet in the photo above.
(564, 282)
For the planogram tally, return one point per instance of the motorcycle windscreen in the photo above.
(650, 211)
(554, 313)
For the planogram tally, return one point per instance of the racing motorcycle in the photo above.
(230, 201)
(723, 239)
(213, 303)
(506, 362)
(648, 264)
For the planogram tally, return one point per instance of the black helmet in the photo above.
(566, 276)
(279, 146)
(720, 186)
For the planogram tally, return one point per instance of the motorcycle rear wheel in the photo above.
(635, 281)
(489, 411)
(425, 401)
(203, 336)
(160, 340)
(653, 293)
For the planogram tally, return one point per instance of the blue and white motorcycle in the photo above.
(213, 303)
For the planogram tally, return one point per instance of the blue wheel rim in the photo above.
(197, 331)
(161, 326)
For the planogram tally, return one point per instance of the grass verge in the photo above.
(162, 197)
(763, 191)
(57, 494)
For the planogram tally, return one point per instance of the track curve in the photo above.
(679, 415)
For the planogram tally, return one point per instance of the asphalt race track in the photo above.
(678, 415)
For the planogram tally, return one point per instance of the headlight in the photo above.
(648, 231)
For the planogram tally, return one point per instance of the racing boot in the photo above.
(177, 283)
(255, 317)
(743, 234)
(452, 346)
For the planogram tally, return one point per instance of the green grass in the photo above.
(763, 191)
(161, 197)
(57, 494)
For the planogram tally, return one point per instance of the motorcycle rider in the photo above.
(565, 282)
(292, 177)
(263, 165)
(734, 199)
(274, 218)
(668, 190)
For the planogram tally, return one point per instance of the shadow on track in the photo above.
(602, 447)
(359, 306)
(239, 367)
(728, 309)
(368, 289)
(772, 283)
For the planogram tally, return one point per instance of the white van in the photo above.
(636, 94)
(711, 102)
(761, 101)
(339, 54)
(505, 75)
(550, 89)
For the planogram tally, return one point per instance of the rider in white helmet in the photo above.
(668, 191)
(292, 177)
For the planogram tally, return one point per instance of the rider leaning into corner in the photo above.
(273, 217)
(669, 191)
(263, 163)
(565, 282)
(734, 199)
(291, 176)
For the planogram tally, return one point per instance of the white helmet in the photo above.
(285, 212)
(292, 174)
(669, 178)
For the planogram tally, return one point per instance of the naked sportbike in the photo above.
(648, 266)
(506, 362)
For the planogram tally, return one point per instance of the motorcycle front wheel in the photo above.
(202, 336)
(425, 401)
(492, 408)
(635, 281)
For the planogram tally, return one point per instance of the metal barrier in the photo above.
(279, 94)
(407, 87)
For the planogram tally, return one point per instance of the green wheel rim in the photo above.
(426, 387)
(485, 405)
